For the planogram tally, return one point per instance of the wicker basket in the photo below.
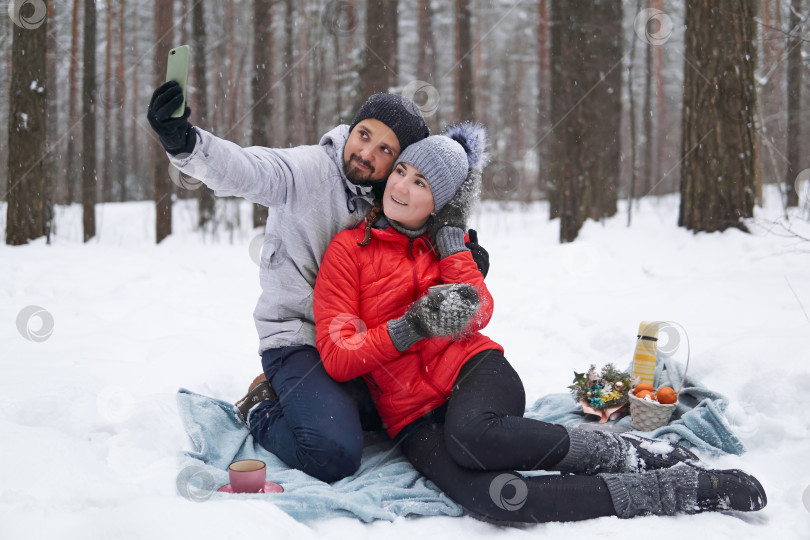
(649, 415)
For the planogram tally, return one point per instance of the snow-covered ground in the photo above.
(89, 431)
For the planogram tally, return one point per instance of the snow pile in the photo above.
(88, 420)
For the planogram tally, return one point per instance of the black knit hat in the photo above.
(398, 113)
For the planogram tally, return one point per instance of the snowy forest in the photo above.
(585, 103)
(649, 162)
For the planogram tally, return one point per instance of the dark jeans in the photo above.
(316, 424)
(472, 447)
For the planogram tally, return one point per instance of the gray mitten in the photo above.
(442, 313)
(456, 212)
(449, 224)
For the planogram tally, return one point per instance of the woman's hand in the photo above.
(448, 225)
(441, 313)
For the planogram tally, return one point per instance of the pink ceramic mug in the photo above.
(247, 475)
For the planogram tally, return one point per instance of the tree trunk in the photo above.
(463, 88)
(660, 130)
(163, 192)
(585, 112)
(377, 73)
(794, 99)
(5, 79)
(501, 179)
(290, 136)
(219, 89)
(319, 74)
(136, 111)
(106, 169)
(341, 20)
(184, 22)
(232, 92)
(426, 48)
(566, 137)
(482, 98)
(632, 120)
(647, 124)
(426, 58)
(772, 144)
(302, 75)
(543, 94)
(338, 77)
(558, 168)
(199, 93)
(89, 89)
(718, 166)
(120, 101)
(261, 86)
(207, 203)
(52, 159)
(606, 108)
(27, 186)
(73, 147)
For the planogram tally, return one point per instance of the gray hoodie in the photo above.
(310, 200)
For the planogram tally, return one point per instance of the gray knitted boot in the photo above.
(683, 489)
(663, 492)
(592, 452)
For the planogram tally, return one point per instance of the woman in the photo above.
(445, 391)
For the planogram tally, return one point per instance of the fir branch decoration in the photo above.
(610, 388)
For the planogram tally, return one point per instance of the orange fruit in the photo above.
(645, 393)
(667, 395)
(642, 387)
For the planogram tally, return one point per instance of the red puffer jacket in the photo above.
(359, 289)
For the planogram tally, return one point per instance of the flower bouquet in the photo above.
(603, 394)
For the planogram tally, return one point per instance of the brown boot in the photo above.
(259, 391)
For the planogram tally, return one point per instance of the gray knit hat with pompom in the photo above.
(445, 160)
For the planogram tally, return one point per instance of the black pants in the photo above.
(472, 446)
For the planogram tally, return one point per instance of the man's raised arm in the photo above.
(258, 174)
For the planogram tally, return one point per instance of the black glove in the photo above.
(176, 134)
(442, 313)
(479, 254)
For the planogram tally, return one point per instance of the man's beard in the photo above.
(355, 175)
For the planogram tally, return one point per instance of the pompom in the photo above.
(473, 138)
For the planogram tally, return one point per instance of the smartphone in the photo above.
(177, 70)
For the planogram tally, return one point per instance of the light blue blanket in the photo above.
(386, 486)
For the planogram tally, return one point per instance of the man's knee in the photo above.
(329, 460)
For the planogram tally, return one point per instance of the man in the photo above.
(303, 416)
